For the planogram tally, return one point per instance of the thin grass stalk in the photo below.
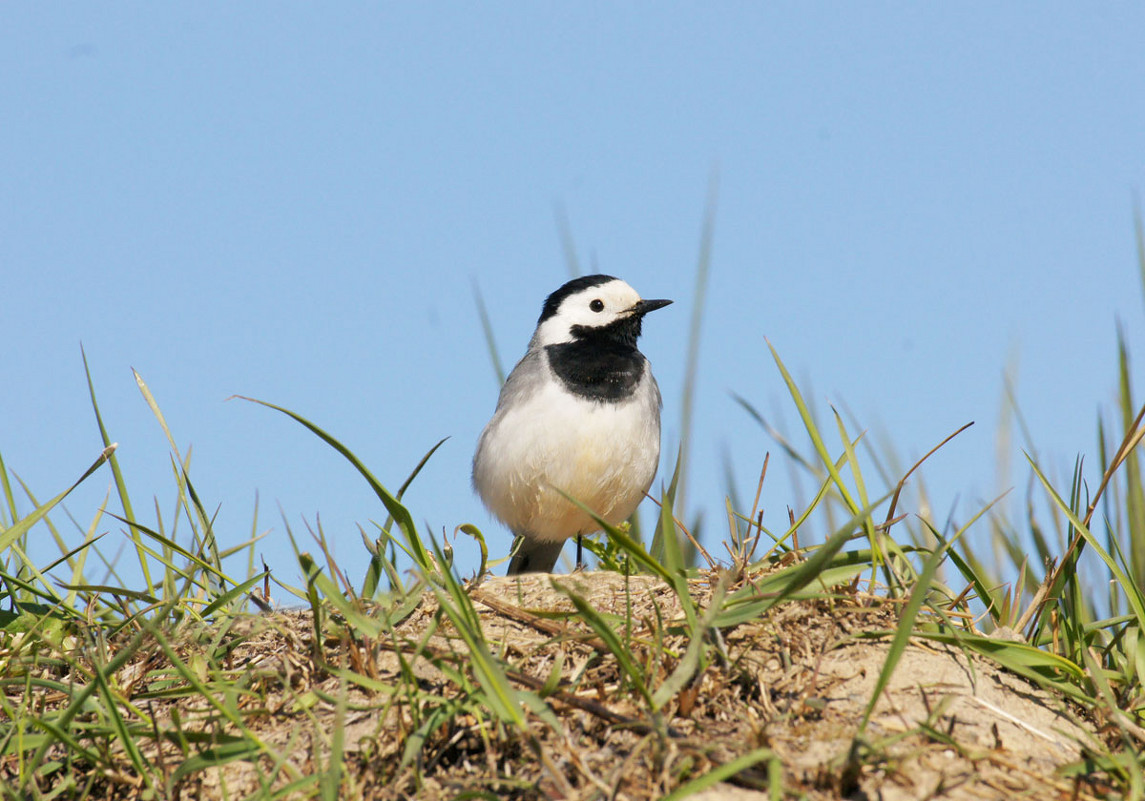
(400, 514)
(1055, 581)
(568, 241)
(729, 770)
(120, 484)
(21, 527)
(1133, 592)
(9, 498)
(490, 339)
(1133, 501)
(695, 327)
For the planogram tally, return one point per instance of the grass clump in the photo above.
(889, 655)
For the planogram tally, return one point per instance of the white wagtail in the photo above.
(579, 414)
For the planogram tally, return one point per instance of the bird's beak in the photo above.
(644, 306)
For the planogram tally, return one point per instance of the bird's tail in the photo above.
(534, 556)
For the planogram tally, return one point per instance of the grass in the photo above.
(642, 679)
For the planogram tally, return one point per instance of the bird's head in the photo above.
(593, 305)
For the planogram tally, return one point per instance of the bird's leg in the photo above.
(579, 554)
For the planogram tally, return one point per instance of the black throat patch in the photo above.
(600, 364)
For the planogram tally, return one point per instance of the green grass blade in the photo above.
(9, 498)
(1132, 590)
(614, 644)
(813, 432)
(568, 242)
(902, 636)
(907, 622)
(166, 542)
(228, 749)
(788, 449)
(755, 599)
(78, 701)
(695, 327)
(503, 699)
(727, 771)
(656, 549)
(674, 562)
(693, 661)
(490, 340)
(119, 725)
(417, 469)
(120, 484)
(1133, 484)
(346, 607)
(65, 738)
(21, 527)
(393, 506)
(1042, 667)
(228, 597)
(209, 544)
(377, 567)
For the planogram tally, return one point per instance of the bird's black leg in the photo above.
(579, 554)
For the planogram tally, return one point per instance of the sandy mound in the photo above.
(796, 682)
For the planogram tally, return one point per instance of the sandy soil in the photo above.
(797, 682)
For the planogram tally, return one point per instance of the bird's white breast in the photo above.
(603, 454)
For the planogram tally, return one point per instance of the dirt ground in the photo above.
(797, 682)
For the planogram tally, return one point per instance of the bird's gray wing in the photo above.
(525, 379)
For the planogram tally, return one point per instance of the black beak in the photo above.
(645, 306)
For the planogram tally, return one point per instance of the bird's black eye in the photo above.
(597, 305)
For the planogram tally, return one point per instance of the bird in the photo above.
(579, 416)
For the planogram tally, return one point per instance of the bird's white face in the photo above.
(593, 307)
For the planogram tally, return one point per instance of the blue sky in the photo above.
(295, 202)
